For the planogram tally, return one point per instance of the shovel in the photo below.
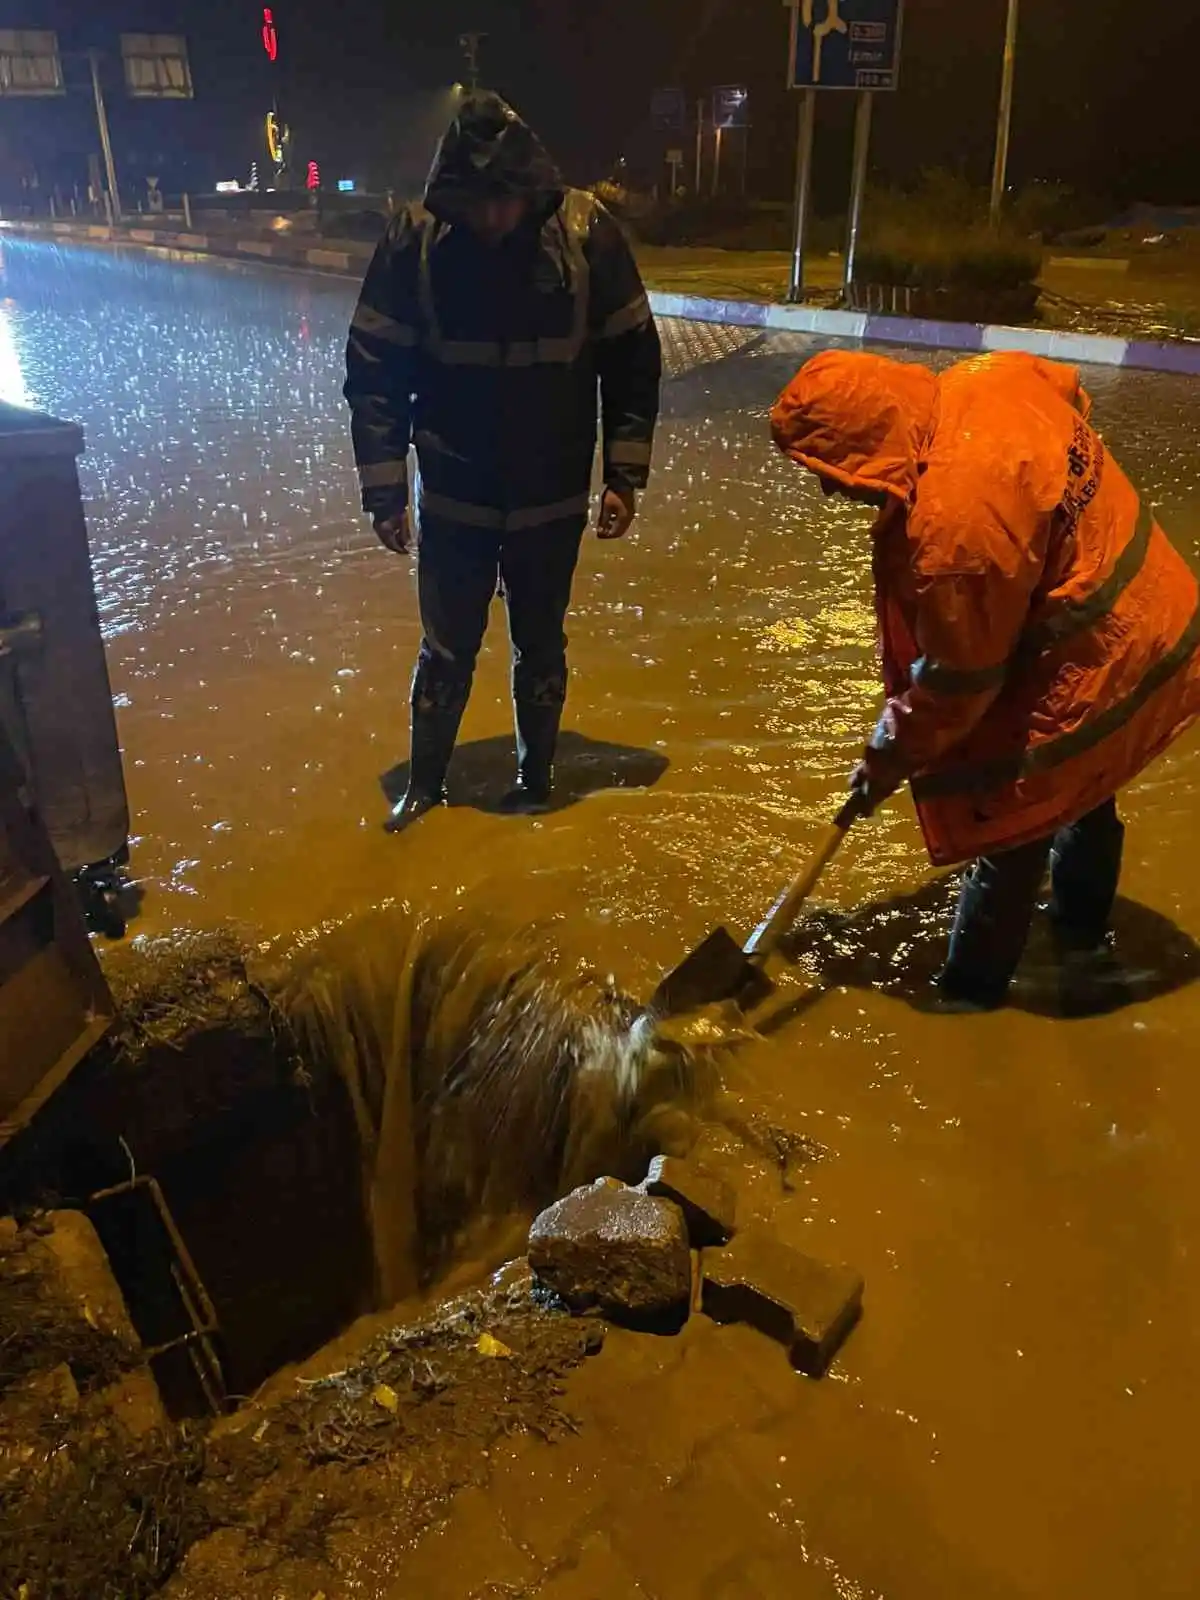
(720, 969)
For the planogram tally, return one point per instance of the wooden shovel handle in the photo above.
(767, 939)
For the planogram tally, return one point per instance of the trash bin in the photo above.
(54, 1002)
(55, 699)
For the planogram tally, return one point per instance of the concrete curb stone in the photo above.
(1181, 357)
(804, 1305)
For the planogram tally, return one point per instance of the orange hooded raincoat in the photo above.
(1038, 632)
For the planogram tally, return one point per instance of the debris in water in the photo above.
(489, 1345)
(614, 1249)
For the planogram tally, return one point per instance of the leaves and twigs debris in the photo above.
(169, 989)
(88, 1509)
(397, 1429)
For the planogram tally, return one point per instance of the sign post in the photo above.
(110, 166)
(839, 44)
(730, 109)
(802, 204)
(1004, 126)
(858, 183)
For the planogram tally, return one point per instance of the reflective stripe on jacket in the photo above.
(490, 360)
(1040, 635)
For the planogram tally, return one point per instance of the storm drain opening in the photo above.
(274, 1143)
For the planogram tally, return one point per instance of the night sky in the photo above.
(1106, 92)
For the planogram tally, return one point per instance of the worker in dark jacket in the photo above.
(488, 319)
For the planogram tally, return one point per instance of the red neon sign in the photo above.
(313, 180)
(270, 38)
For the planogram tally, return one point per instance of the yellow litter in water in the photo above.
(489, 1346)
(386, 1397)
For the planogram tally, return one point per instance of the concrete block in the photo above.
(804, 1305)
(708, 1203)
(615, 1249)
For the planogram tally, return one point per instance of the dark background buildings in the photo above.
(1104, 90)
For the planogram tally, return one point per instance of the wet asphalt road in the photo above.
(1015, 1415)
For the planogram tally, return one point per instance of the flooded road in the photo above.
(1015, 1417)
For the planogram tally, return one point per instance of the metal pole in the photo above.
(699, 146)
(105, 141)
(1004, 128)
(718, 137)
(745, 161)
(858, 183)
(804, 161)
(187, 211)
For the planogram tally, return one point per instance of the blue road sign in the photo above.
(846, 44)
(668, 109)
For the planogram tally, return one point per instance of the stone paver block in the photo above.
(804, 1305)
(615, 1249)
(708, 1203)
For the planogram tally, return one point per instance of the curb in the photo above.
(350, 259)
(1084, 348)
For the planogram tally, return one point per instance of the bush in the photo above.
(974, 259)
(722, 223)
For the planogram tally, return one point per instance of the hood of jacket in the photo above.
(488, 152)
(858, 419)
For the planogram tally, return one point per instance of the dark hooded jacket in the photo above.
(488, 358)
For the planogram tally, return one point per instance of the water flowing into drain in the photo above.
(484, 1081)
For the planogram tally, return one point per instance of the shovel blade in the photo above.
(717, 970)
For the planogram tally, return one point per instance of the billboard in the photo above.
(29, 62)
(156, 66)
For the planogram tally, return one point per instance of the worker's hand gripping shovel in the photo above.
(721, 970)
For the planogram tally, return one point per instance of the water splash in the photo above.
(485, 1080)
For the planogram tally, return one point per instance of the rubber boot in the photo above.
(434, 734)
(537, 740)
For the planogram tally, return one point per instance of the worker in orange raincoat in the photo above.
(1039, 633)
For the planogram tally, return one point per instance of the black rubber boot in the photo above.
(537, 740)
(434, 734)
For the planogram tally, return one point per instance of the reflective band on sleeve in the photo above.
(383, 475)
(472, 516)
(1075, 615)
(628, 453)
(374, 324)
(1064, 621)
(933, 675)
(635, 315)
(985, 775)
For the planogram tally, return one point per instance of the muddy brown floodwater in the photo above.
(1016, 1415)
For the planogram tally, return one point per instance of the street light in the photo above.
(1004, 128)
